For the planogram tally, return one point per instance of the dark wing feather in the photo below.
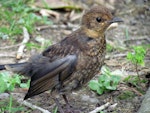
(52, 75)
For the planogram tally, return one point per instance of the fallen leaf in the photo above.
(58, 4)
(46, 12)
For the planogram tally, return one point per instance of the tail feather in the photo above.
(20, 68)
(2, 67)
(15, 67)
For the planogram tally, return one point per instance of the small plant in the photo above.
(18, 14)
(126, 95)
(39, 46)
(134, 81)
(55, 110)
(137, 57)
(8, 83)
(127, 33)
(106, 82)
(109, 48)
(8, 106)
(31, 45)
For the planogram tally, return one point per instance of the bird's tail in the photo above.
(17, 68)
(7, 66)
(2, 67)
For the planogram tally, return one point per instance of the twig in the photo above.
(112, 107)
(10, 47)
(32, 106)
(136, 91)
(138, 39)
(51, 26)
(69, 26)
(130, 89)
(100, 108)
(115, 56)
(8, 55)
(22, 46)
(47, 13)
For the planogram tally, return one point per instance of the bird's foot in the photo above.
(69, 108)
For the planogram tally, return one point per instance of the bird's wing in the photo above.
(53, 74)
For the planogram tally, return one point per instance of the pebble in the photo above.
(133, 22)
(4, 95)
(87, 98)
(112, 107)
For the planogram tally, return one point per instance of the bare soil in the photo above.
(134, 31)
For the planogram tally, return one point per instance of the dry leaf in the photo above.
(46, 12)
(58, 4)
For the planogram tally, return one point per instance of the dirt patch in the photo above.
(127, 98)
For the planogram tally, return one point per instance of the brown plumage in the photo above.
(71, 63)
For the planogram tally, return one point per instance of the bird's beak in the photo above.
(115, 19)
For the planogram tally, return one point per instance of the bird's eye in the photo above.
(98, 19)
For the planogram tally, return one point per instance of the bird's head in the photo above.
(97, 20)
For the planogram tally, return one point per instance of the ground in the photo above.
(132, 32)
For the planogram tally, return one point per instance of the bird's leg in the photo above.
(59, 105)
(66, 100)
(69, 110)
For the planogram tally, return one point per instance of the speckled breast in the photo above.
(93, 59)
(88, 65)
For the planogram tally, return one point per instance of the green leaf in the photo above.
(32, 45)
(8, 82)
(112, 87)
(108, 86)
(102, 78)
(24, 85)
(137, 57)
(94, 85)
(3, 85)
(115, 78)
(106, 81)
(100, 91)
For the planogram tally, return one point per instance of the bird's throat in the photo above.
(92, 33)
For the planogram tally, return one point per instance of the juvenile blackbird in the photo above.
(71, 63)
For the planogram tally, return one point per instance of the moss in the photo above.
(126, 95)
